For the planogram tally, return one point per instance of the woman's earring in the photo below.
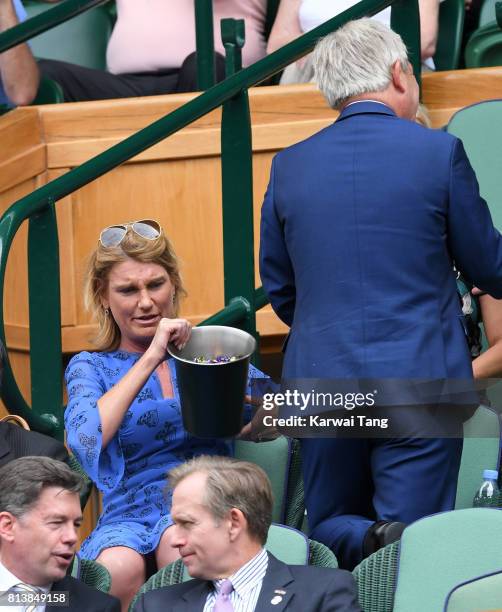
(174, 297)
(107, 312)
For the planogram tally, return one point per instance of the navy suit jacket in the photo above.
(361, 226)
(301, 588)
(83, 598)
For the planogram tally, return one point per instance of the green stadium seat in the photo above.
(280, 459)
(477, 595)
(484, 47)
(376, 578)
(81, 40)
(441, 551)
(49, 92)
(481, 451)
(451, 28)
(92, 573)
(487, 12)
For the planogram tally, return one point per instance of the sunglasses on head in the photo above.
(113, 235)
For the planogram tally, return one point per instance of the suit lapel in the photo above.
(277, 588)
(65, 585)
(194, 598)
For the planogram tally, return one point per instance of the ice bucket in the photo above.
(212, 394)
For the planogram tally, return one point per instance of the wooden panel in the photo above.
(444, 93)
(79, 131)
(22, 155)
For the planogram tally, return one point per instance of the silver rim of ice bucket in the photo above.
(222, 329)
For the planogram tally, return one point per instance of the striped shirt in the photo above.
(247, 582)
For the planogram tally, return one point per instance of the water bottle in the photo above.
(488, 493)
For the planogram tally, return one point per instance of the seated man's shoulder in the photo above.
(321, 574)
(16, 442)
(82, 596)
(170, 593)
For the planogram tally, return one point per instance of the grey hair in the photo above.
(232, 483)
(22, 481)
(357, 59)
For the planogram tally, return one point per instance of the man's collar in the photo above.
(249, 574)
(8, 580)
(359, 107)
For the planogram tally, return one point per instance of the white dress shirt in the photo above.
(7, 581)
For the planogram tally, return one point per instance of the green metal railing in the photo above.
(45, 21)
(241, 298)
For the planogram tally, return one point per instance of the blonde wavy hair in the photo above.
(158, 251)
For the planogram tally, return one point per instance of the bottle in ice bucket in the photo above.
(488, 493)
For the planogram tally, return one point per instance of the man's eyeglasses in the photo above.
(113, 235)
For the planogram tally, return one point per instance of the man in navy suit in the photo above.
(361, 226)
(39, 519)
(222, 509)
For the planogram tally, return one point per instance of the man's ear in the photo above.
(7, 525)
(398, 79)
(238, 523)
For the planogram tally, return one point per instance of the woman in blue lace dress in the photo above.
(123, 418)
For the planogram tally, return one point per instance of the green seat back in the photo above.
(487, 12)
(376, 579)
(441, 551)
(49, 92)
(282, 467)
(484, 47)
(287, 544)
(81, 40)
(480, 128)
(95, 575)
(481, 451)
(450, 31)
(480, 594)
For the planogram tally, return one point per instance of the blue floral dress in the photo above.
(131, 471)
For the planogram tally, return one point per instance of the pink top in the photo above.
(152, 35)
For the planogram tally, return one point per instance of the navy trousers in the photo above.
(350, 483)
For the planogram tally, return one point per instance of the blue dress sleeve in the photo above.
(85, 386)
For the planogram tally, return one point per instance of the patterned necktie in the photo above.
(222, 602)
(21, 587)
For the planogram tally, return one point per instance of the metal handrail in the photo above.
(42, 200)
(45, 21)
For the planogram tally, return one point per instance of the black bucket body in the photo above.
(212, 394)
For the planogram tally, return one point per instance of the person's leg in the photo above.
(127, 569)
(82, 84)
(165, 552)
(187, 79)
(338, 493)
(415, 477)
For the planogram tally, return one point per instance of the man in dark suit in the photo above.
(361, 226)
(222, 509)
(17, 442)
(39, 519)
